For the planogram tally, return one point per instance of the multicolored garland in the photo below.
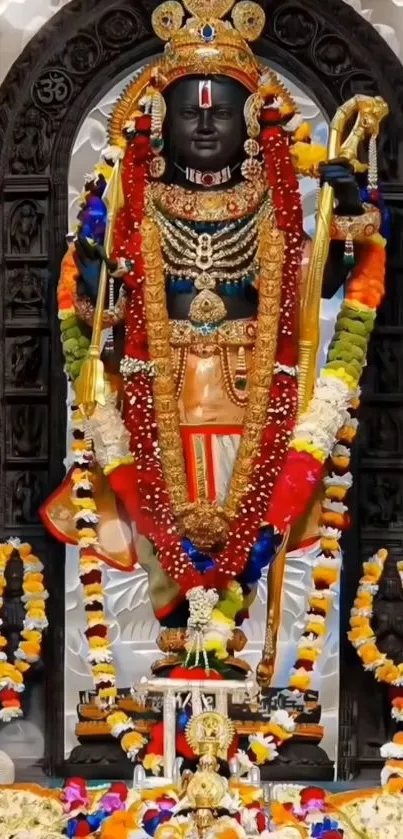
(12, 673)
(75, 340)
(317, 430)
(335, 392)
(100, 656)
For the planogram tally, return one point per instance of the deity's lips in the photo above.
(205, 144)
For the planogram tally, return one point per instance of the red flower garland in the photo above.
(154, 517)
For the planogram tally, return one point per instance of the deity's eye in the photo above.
(222, 112)
(188, 112)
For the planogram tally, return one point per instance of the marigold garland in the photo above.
(361, 633)
(384, 669)
(12, 673)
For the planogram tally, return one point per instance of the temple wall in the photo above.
(21, 19)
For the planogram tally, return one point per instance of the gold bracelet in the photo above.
(356, 228)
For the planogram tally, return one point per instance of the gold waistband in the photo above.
(237, 333)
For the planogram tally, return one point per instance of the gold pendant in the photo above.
(205, 281)
(207, 307)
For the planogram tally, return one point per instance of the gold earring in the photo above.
(158, 111)
(252, 111)
(251, 167)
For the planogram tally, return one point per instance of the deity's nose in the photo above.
(206, 123)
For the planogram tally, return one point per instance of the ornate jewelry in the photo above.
(166, 19)
(157, 167)
(249, 19)
(356, 228)
(214, 255)
(133, 366)
(211, 254)
(207, 522)
(112, 316)
(251, 168)
(235, 203)
(208, 179)
(210, 734)
(186, 46)
(252, 110)
(207, 307)
(238, 333)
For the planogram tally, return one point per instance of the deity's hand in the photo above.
(89, 258)
(339, 174)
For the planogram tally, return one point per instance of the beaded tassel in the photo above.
(349, 256)
(111, 302)
(373, 168)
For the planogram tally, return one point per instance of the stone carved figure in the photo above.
(26, 431)
(26, 498)
(387, 621)
(384, 502)
(25, 360)
(25, 292)
(383, 435)
(13, 611)
(25, 227)
(31, 144)
(387, 367)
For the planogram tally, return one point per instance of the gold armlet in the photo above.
(357, 228)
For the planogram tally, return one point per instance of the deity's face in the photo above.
(205, 125)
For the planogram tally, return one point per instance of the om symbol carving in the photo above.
(52, 89)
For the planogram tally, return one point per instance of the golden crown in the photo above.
(206, 44)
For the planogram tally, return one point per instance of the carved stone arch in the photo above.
(65, 68)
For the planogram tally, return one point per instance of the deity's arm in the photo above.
(335, 273)
(77, 292)
(110, 439)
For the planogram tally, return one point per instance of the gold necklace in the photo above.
(207, 524)
(222, 205)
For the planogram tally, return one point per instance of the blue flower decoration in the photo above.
(261, 556)
(183, 718)
(93, 219)
(201, 562)
(320, 830)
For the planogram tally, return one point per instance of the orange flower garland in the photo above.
(361, 634)
(384, 669)
(29, 648)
